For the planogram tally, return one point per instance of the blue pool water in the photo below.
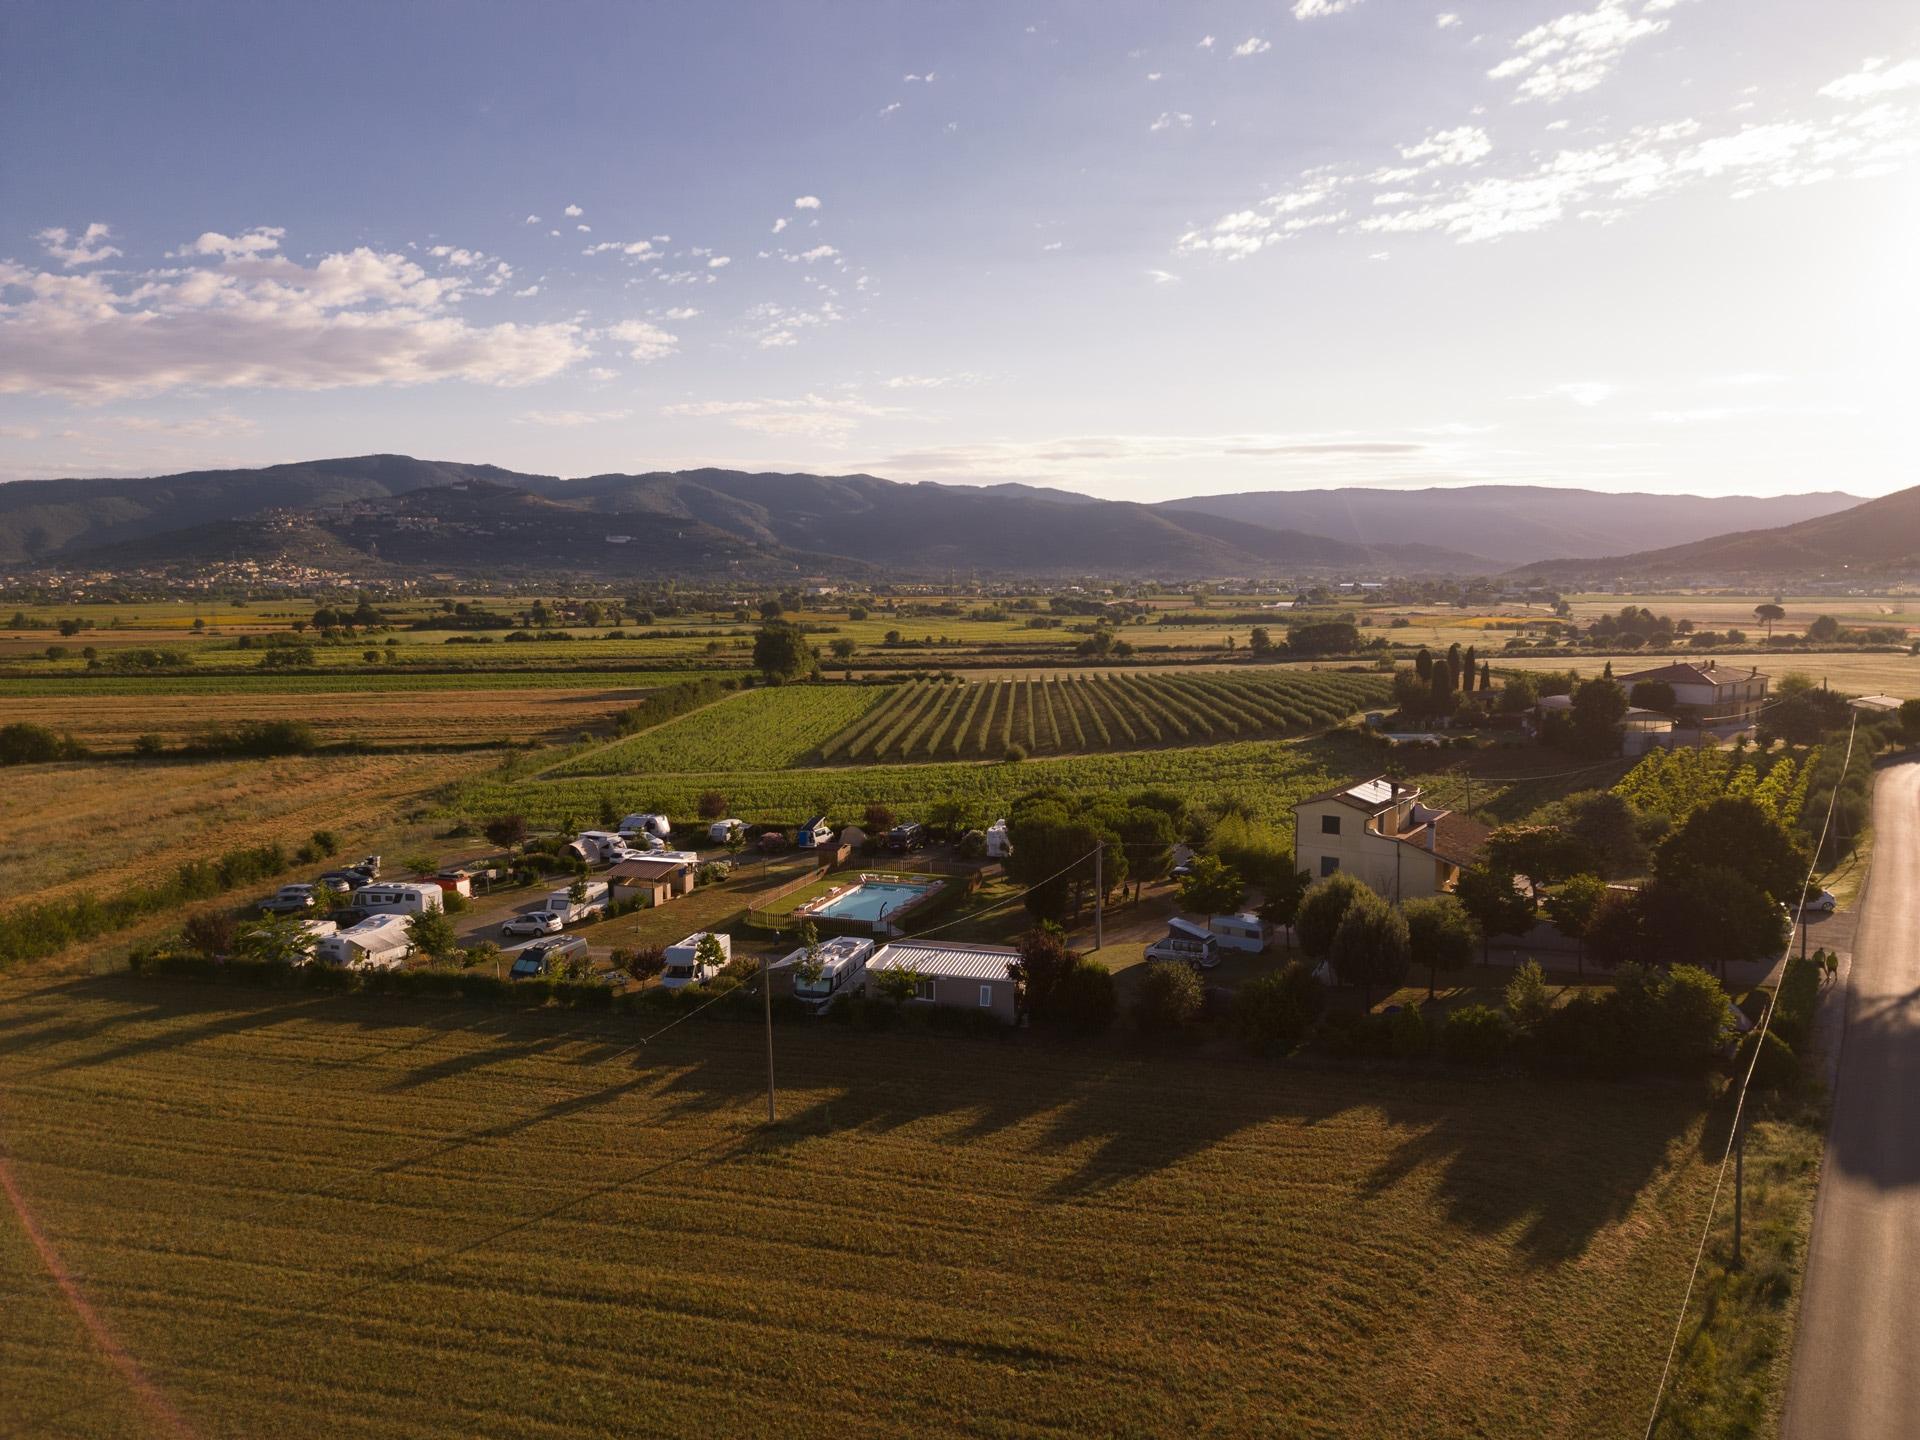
(870, 899)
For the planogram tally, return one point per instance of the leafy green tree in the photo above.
(1272, 1013)
(708, 953)
(1323, 908)
(1736, 831)
(1441, 936)
(432, 934)
(1767, 613)
(781, 652)
(1528, 1000)
(209, 933)
(1284, 896)
(1495, 902)
(897, 984)
(842, 648)
(1607, 827)
(274, 940)
(1371, 947)
(1543, 853)
(1212, 887)
(1168, 998)
(509, 832)
(1572, 907)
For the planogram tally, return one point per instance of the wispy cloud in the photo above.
(1577, 51)
(1252, 45)
(87, 248)
(1318, 9)
(569, 419)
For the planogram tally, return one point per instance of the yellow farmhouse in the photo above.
(1379, 831)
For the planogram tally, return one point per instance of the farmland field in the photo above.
(936, 720)
(758, 730)
(267, 682)
(362, 1218)
(1853, 672)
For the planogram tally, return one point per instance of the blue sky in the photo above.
(1137, 250)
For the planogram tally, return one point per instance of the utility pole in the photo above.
(766, 1003)
(1099, 898)
(1739, 1179)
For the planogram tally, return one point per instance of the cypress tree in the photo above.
(1423, 664)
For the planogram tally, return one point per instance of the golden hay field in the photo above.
(66, 826)
(358, 1218)
(386, 717)
(1857, 674)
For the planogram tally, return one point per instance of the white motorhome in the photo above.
(641, 841)
(600, 847)
(843, 966)
(561, 902)
(1245, 931)
(721, 831)
(383, 898)
(380, 942)
(998, 845)
(658, 825)
(683, 961)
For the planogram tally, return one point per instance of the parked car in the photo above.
(332, 883)
(543, 957)
(347, 879)
(1823, 902)
(535, 922)
(289, 900)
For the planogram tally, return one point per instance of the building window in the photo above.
(1328, 864)
(1329, 824)
(986, 997)
(924, 990)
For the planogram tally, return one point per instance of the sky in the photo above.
(1136, 250)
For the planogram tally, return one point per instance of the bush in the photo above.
(1409, 1037)
(1476, 1035)
(1168, 1000)
(24, 744)
(1778, 1068)
(1273, 1013)
(1796, 1000)
(1527, 998)
(1084, 1000)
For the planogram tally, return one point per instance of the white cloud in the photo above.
(1252, 45)
(888, 109)
(958, 379)
(1153, 75)
(1316, 9)
(644, 341)
(1575, 52)
(1277, 218)
(773, 326)
(779, 224)
(531, 220)
(1206, 42)
(926, 79)
(807, 202)
(247, 319)
(573, 212)
(719, 262)
(87, 249)
(1460, 146)
(568, 419)
(1169, 119)
(1163, 277)
(1446, 19)
(460, 259)
(1053, 245)
(1585, 393)
(817, 253)
(682, 312)
(526, 294)
(602, 374)
(1873, 79)
(637, 250)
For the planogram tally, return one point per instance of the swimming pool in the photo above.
(873, 901)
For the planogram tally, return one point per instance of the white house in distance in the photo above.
(972, 977)
(1706, 693)
(1378, 830)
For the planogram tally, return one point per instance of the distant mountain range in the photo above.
(1873, 539)
(389, 514)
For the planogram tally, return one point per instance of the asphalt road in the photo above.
(1856, 1358)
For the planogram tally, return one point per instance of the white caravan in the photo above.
(561, 902)
(380, 942)
(683, 961)
(382, 898)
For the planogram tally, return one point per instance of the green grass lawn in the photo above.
(355, 1217)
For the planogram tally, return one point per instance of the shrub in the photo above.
(1273, 1013)
(1794, 1003)
(1476, 1035)
(1324, 907)
(24, 744)
(210, 933)
(1409, 1036)
(1084, 1001)
(1169, 998)
(1777, 1069)
(1527, 998)
(324, 842)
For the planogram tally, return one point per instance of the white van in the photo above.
(1187, 942)
(721, 831)
(843, 965)
(683, 962)
(382, 898)
(1245, 931)
(380, 942)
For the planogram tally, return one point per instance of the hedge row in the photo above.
(29, 931)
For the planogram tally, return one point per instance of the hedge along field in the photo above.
(360, 1218)
(754, 730)
(1268, 776)
(1072, 714)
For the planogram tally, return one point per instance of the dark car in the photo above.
(341, 882)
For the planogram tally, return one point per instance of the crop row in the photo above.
(1057, 715)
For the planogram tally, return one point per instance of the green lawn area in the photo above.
(356, 1217)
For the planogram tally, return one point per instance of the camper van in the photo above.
(843, 965)
(545, 957)
(815, 832)
(657, 825)
(1186, 941)
(683, 962)
(600, 847)
(561, 902)
(1244, 931)
(998, 845)
(379, 942)
(722, 831)
(907, 835)
(385, 898)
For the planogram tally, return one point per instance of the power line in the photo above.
(1746, 1082)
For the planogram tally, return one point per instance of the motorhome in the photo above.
(561, 902)
(544, 957)
(658, 825)
(1244, 931)
(683, 961)
(1186, 941)
(842, 966)
(386, 898)
(907, 835)
(600, 847)
(723, 831)
(380, 942)
(998, 845)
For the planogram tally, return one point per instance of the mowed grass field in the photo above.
(341, 1217)
(394, 718)
(1855, 673)
(70, 826)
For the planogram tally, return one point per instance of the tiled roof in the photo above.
(1681, 673)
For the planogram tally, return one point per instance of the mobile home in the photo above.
(970, 977)
(561, 901)
(384, 898)
(380, 942)
(683, 961)
(843, 965)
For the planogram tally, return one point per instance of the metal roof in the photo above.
(956, 962)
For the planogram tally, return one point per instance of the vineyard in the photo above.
(1073, 714)
(757, 730)
(1676, 783)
